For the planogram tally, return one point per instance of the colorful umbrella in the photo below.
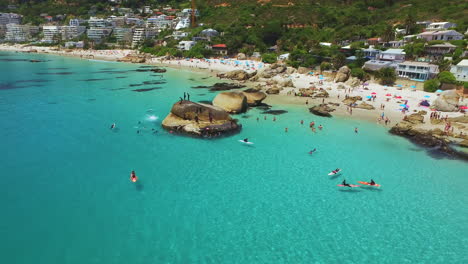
(398, 97)
(373, 93)
(399, 85)
(413, 86)
(369, 96)
(439, 91)
(388, 94)
(427, 96)
(463, 107)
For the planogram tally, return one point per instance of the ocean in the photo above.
(67, 198)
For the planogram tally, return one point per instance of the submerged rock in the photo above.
(194, 119)
(274, 112)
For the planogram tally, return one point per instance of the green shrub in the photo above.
(269, 57)
(325, 66)
(431, 85)
(447, 77)
(358, 73)
(386, 75)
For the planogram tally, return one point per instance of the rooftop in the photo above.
(393, 51)
(219, 46)
(463, 63)
(416, 63)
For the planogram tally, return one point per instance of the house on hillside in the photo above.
(461, 71)
(417, 70)
(441, 35)
(186, 45)
(397, 55)
(438, 51)
(440, 26)
(374, 41)
(371, 53)
(395, 44)
(220, 49)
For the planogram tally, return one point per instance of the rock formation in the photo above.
(232, 102)
(273, 90)
(447, 101)
(254, 97)
(366, 106)
(239, 75)
(321, 110)
(184, 114)
(343, 74)
(352, 100)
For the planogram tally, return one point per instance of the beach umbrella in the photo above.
(404, 105)
(413, 86)
(365, 84)
(399, 85)
(388, 94)
(464, 107)
(427, 96)
(369, 96)
(373, 93)
(439, 91)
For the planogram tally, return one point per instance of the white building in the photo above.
(392, 55)
(179, 35)
(139, 36)
(461, 71)
(71, 32)
(75, 22)
(186, 45)
(417, 70)
(440, 26)
(20, 33)
(51, 34)
(123, 34)
(161, 21)
(98, 34)
(371, 53)
(183, 23)
(441, 35)
(375, 65)
(97, 22)
(10, 18)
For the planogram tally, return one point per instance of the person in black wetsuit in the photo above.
(246, 140)
(345, 184)
(372, 182)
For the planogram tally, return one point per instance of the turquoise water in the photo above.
(66, 195)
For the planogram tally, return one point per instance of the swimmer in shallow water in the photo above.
(112, 126)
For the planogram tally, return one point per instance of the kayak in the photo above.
(248, 143)
(368, 183)
(351, 185)
(335, 173)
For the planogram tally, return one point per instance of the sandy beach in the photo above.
(391, 97)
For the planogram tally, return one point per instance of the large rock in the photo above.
(254, 97)
(343, 74)
(366, 106)
(417, 118)
(290, 70)
(273, 90)
(183, 115)
(241, 56)
(286, 83)
(459, 119)
(352, 100)
(353, 82)
(239, 75)
(272, 71)
(303, 70)
(231, 102)
(321, 94)
(447, 101)
(321, 110)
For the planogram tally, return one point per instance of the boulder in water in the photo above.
(254, 97)
(231, 102)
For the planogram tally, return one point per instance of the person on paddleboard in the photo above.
(345, 184)
(372, 182)
(312, 151)
(112, 126)
(336, 171)
(246, 140)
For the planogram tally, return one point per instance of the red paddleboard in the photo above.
(368, 183)
(351, 185)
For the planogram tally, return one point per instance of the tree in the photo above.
(414, 49)
(338, 60)
(358, 73)
(431, 85)
(386, 75)
(444, 65)
(447, 77)
(325, 66)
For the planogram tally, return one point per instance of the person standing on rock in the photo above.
(188, 97)
(196, 119)
(184, 95)
(210, 116)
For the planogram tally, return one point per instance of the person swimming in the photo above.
(112, 126)
(133, 176)
(312, 151)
